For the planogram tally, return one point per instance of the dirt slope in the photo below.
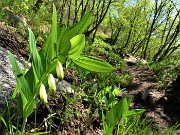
(143, 89)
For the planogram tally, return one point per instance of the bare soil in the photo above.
(161, 107)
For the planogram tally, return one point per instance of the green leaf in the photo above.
(45, 52)
(29, 109)
(125, 107)
(93, 64)
(54, 25)
(60, 34)
(2, 119)
(39, 133)
(83, 24)
(22, 102)
(53, 33)
(21, 81)
(30, 79)
(77, 45)
(108, 130)
(135, 112)
(129, 100)
(64, 35)
(116, 91)
(50, 48)
(36, 59)
(117, 112)
(79, 28)
(25, 92)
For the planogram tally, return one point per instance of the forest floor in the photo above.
(162, 109)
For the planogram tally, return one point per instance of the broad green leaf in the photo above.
(93, 64)
(77, 45)
(110, 101)
(83, 24)
(21, 81)
(135, 112)
(79, 28)
(25, 92)
(22, 102)
(30, 108)
(117, 112)
(45, 52)
(36, 59)
(125, 107)
(108, 130)
(129, 100)
(30, 79)
(64, 35)
(60, 34)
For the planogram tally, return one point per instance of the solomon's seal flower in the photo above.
(52, 83)
(42, 94)
(59, 71)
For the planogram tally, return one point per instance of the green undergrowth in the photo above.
(166, 71)
(105, 51)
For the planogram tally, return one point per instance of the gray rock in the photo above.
(7, 80)
(64, 87)
(131, 60)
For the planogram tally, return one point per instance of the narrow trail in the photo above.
(143, 89)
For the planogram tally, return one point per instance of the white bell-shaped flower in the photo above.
(42, 94)
(59, 71)
(51, 82)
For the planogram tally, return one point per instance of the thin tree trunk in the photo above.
(98, 21)
(113, 42)
(168, 37)
(69, 12)
(174, 36)
(156, 15)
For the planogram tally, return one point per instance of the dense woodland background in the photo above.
(147, 29)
